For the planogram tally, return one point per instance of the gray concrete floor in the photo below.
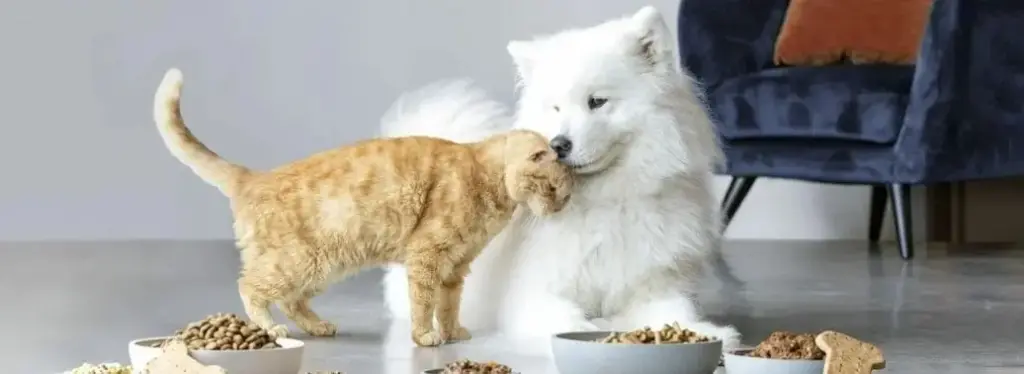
(944, 312)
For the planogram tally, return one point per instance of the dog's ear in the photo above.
(655, 43)
(522, 53)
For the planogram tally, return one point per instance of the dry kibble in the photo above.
(222, 331)
(471, 367)
(670, 334)
(786, 345)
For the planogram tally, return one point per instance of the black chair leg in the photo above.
(879, 196)
(738, 189)
(900, 194)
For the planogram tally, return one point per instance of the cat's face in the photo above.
(535, 177)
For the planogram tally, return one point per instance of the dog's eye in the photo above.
(596, 102)
(556, 108)
(551, 190)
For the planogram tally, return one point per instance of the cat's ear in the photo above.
(523, 54)
(654, 42)
(542, 155)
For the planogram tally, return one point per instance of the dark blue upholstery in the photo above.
(957, 114)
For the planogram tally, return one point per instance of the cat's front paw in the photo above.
(427, 339)
(323, 328)
(459, 333)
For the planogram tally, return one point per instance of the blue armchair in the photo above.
(957, 114)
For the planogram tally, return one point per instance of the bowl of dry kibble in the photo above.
(225, 340)
(669, 350)
(466, 366)
(782, 352)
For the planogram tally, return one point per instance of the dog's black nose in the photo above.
(562, 146)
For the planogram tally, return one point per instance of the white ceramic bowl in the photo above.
(737, 362)
(578, 353)
(284, 360)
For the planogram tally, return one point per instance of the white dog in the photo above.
(629, 249)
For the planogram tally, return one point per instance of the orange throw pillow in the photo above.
(821, 32)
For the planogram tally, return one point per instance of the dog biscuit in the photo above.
(845, 354)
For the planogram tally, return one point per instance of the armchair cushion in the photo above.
(823, 32)
(861, 103)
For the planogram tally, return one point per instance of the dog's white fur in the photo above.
(629, 249)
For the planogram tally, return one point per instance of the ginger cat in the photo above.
(427, 203)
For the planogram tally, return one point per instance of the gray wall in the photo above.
(266, 82)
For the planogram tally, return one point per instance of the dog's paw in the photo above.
(278, 331)
(460, 333)
(427, 339)
(729, 336)
(566, 324)
(584, 325)
(323, 328)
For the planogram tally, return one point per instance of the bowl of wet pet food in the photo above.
(227, 341)
(669, 350)
(782, 352)
(466, 366)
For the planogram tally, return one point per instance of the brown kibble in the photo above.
(670, 334)
(786, 345)
(471, 367)
(224, 332)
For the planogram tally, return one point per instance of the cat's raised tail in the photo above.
(209, 166)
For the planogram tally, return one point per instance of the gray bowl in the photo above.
(737, 362)
(578, 353)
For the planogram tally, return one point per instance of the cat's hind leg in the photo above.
(298, 310)
(267, 278)
(257, 300)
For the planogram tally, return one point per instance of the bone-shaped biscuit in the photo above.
(175, 360)
(845, 354)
